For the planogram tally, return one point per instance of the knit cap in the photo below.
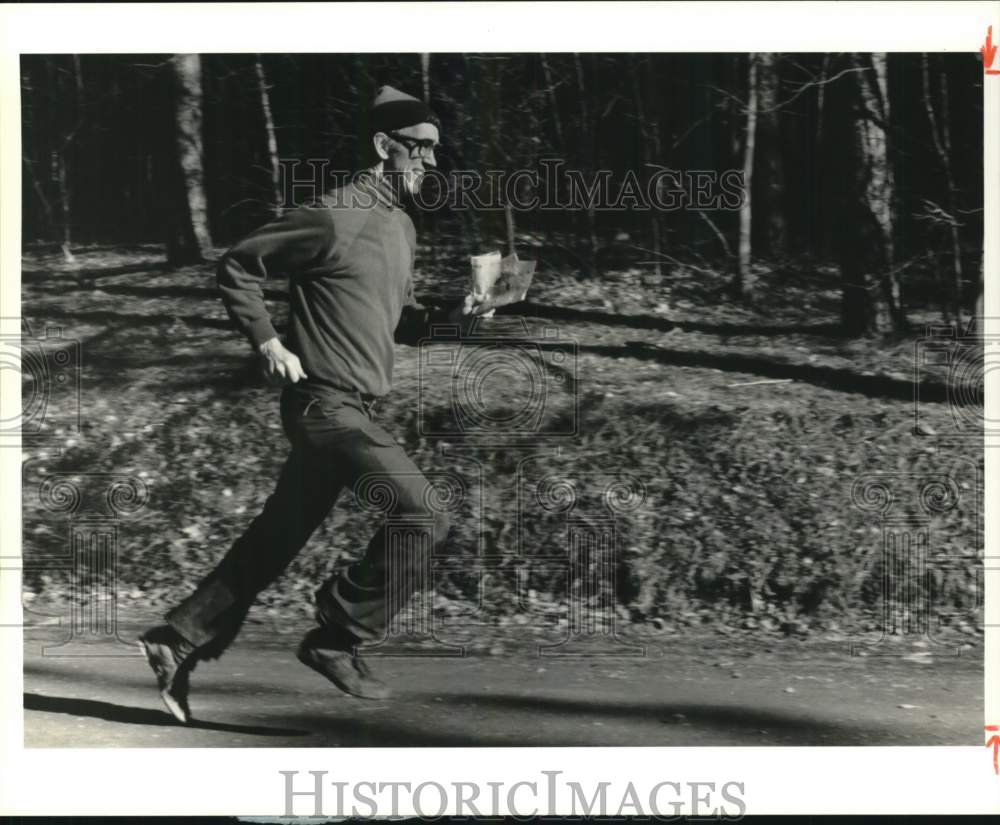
(393, 109)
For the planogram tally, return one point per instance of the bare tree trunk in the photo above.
(770, 207)
(74, 139)
(821, 86)
(881, 187)
(736, 112)
(942, 145)
(654, 219)
(553, 113)
(67, 218)
(470, 216)
(977, 323)
(644, 143)
(956, 241)
(59, 163)
(587, 135)
(821, 242)
(272, 141)
(193, 243)
(31, 140)
(425, 74)
(550, 90)
(746, 276)
(36, 185)
(511, 229)
(871, 296)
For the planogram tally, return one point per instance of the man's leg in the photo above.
(357, 603)
(204, 624)
(306, 492)
(363, 597)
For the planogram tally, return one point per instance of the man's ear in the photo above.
(380, 140)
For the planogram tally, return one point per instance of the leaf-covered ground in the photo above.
(720, 444)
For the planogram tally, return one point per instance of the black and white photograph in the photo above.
(502, 399)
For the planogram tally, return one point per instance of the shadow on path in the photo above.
(833, 378)
(611, 319)
(525, 308)
(141, 716)
(373, 733)
(210, 293)
(85, 276)
(799, 727)
(123, 320)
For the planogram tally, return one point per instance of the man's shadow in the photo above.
(141, 716)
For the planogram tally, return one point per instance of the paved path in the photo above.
(686, 693)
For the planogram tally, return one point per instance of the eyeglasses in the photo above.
(424, 148)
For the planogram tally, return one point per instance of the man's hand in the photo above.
(475, 304)
(279, 365)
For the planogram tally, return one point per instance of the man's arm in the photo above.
(285, 245)
(292, 242)
(417, 321)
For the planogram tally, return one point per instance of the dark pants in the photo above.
(335, 444)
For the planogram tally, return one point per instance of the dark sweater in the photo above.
(350, 265)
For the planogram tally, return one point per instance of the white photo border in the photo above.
(228, 781)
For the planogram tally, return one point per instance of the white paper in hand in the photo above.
(504, 280)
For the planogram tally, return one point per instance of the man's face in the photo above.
(411, 154)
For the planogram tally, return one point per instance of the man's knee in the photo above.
(442, 524)
(416, 504)
(419, 515)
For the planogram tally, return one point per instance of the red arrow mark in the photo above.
(989, 53)
(994, 742)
